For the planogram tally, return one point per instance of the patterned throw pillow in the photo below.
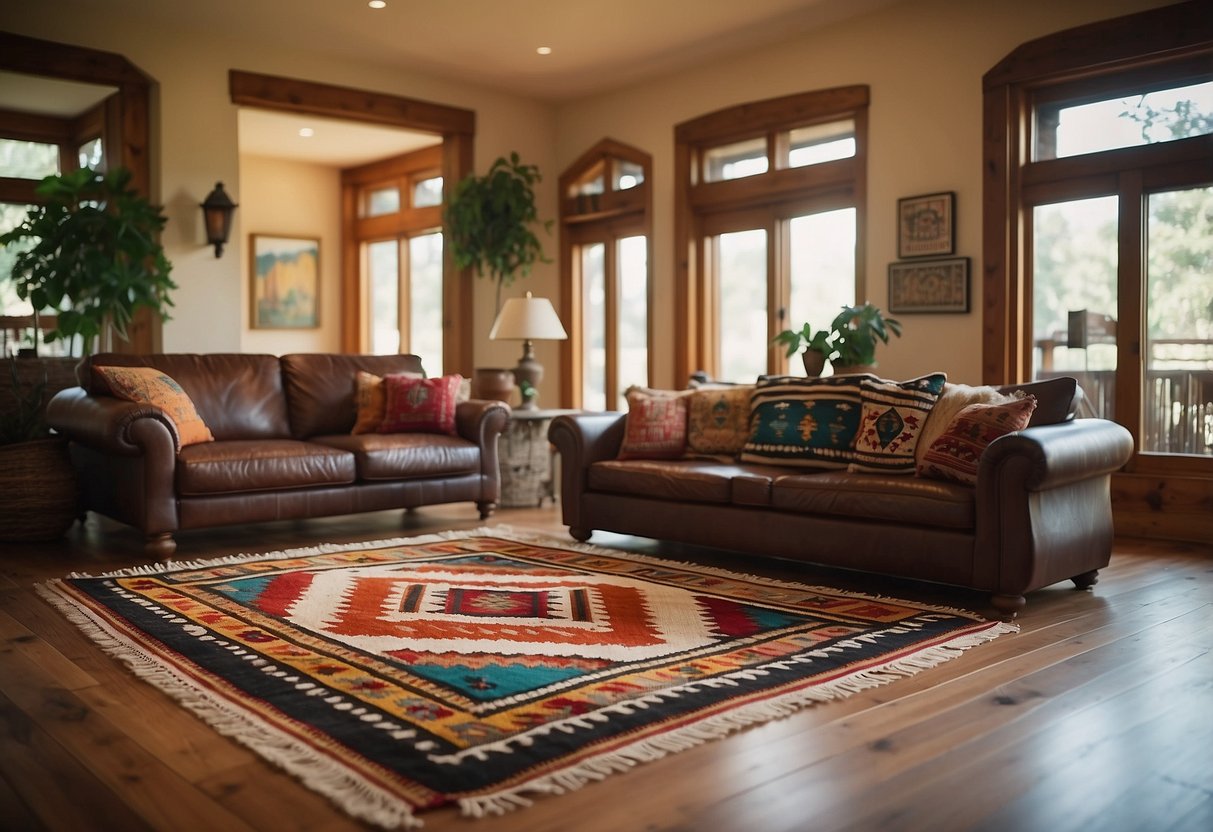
(151, 386)
(953, 399)
(805, 422)
(718, 420)
(420, 405)
(656, 427)
(894, 414)
(957, 452)
(370, 399)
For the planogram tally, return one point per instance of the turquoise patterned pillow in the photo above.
(893, 416)
(804, 422)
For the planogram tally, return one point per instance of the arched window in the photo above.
(769, 226)
(1098, 216)
(606, 220)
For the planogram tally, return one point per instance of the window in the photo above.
(47, 146)
(1104, 228)
(772, 222)
(398, 232)
(605, 218)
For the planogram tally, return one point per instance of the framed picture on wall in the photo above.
(929, 286)
(926, 226)
(285, 282)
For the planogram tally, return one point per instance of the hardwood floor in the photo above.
(1098, 715)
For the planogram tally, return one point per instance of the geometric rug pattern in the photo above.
(485, 667)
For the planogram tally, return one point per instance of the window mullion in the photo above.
(1131, 308)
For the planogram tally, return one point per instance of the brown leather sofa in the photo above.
(1040, 512)
(283, 446)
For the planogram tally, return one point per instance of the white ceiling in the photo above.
(596, 47)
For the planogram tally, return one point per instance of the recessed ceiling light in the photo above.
(306, 132)
(544, 50)
(378, 4)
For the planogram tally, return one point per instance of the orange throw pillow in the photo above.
(420, 405)
(151, 386)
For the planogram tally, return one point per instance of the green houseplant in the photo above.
(489, 222)
(815, 347)
(855, 331)
(96, 256)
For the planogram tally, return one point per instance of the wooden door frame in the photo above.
(457, 128)
(127, 127)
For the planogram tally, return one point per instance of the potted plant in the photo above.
(854, 333)
(96, 256)
(489, 223)
(489, 219)
(815, 347)
(36, 475)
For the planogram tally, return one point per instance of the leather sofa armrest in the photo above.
(1059, 454)
(482, 421)
(1044, 511)
(111, 425)
(582, 440)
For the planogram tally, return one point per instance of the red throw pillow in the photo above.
(957, 452)
(656, 427)
(420, 405)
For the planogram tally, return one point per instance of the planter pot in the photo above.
(41, 495)
(493, 383)
(814, 362)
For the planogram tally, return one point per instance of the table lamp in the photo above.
(528, 319)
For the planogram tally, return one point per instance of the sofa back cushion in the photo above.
(804, 422)
(1057, 399)
(320, 388)
(238, 396)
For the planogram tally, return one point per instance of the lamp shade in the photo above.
(528, 319)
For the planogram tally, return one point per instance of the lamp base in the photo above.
(527, 376)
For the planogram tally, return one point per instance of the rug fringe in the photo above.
(599, 767)
(352, 794)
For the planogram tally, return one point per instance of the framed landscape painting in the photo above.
(929, 286)
(925, 225)
(285, 276)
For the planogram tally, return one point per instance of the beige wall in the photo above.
(195, 144)
(285, 198)
(923, 60)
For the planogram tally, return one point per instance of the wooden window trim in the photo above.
(780, 190)
(456, 126)
(127, 129)
(1158, 495)
(617, 214)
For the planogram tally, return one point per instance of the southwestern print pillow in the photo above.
(656, 427)
(804, 422)
(420, 405)
(718, 420)
(956, 454)
(151, 386)
(894, 414)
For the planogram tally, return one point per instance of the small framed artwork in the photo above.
(926, 226)
(929, 286)
(285, 277)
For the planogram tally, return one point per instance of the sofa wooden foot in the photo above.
(486, 509)
(1086, 580)
(1008, 605)
(160, 546)
(580, 534)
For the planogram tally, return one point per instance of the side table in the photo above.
(526, 458)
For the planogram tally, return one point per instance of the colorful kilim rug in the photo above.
(481, 667)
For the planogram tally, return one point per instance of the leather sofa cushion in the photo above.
(238, 395)
(396, 456)
(877, 497)
(320, 388)
(260, 465)
(700, 481)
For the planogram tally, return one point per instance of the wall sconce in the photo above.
(217, 211)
